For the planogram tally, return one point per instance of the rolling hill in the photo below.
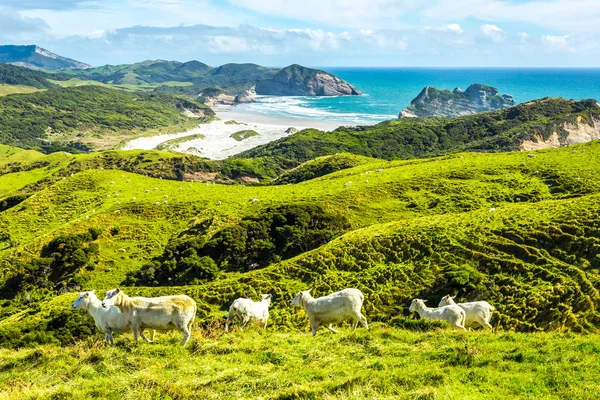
(536, 124)
(89, 117)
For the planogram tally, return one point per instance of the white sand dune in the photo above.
(218, 144)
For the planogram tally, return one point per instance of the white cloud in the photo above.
(346, 13)
(555, 41)
(447, 28)
(13, 26)
(493, 33)
(574, 15)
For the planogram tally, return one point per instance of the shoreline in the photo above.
(227, 113)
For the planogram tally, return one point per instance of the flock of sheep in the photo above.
(119, 313)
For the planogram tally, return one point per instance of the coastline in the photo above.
(228, 113)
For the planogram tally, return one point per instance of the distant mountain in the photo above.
(15, 75)
(296, 80)
(433, 102)
(36, 57)
(145, 72)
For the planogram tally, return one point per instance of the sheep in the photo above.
(453, 314)
(245, 310)
(477, 312)
(108, 320)
(332, 309)
(160, 313)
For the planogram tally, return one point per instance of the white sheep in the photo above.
(246, 310)
(453, 314)
(477, 312)
(332, 309)
(108, 320)
(160, 313)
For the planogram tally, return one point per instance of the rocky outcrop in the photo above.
(297, 80)
(37, 58)
(214, 96)
(570, 133)
(445, 103)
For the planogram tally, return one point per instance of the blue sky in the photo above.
(449, 33)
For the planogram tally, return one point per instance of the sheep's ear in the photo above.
(87, 294)
(308, 291)
(117, 290)
(453, 297)
(424, 301)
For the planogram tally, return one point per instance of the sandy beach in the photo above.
(217, 142)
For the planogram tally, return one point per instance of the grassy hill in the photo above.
(14, 75)
(519, 231)
(504, 227)
(430, 136)
(89, 117)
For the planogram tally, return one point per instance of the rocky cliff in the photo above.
(36, 57)
(297, 80)
(445, 103)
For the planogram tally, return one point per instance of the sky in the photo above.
(369, 33)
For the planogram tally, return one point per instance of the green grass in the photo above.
(384, 364)
(5, 90)
(75, 82)
(245, 134)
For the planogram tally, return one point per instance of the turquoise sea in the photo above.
(388, 90)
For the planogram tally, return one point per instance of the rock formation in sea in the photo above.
(297, 80)
(445, 103)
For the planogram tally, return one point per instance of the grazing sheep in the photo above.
(477, 312)
(160, 313)
(332, 309)
(254, 200)
(453, 314)
(108, 320)
(246, 310)
(493, 209)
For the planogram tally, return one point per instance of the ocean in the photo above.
(389, 90)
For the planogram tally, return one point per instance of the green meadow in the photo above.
(518, 230)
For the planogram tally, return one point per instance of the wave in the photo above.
(324, 108)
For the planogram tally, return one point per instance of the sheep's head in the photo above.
(416, 304)
(447, 300)
(110, 297)
(83, 300)
(266, 297)
(301, 297)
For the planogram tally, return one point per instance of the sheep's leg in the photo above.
(186, 335)
(487, 325)
(363, 321)
(265, 325)
(144, 336)
(330, 327)
(244, 322)
(152, 334)
(135, 333)
(314, 328)
(106, 337)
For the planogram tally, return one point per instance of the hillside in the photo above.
(14, 75)
(36, 57)
(89, 117)
(433, 102)
(146, 72)
(501, 227)
(538, 124)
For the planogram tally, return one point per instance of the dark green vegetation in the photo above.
(501, 130)
(321, 166)
(36, 57)
(13, 75)
(255, 242)
(78, 119)
(245, 134)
